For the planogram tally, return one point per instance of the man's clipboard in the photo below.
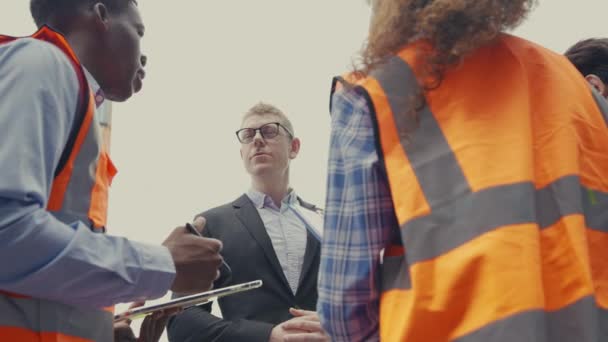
(188, 301)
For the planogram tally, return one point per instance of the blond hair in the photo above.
(262, 108)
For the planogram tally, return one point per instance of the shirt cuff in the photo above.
(158, 270)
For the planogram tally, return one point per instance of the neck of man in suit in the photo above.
(274, 186)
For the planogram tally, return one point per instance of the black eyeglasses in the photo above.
(267, 131)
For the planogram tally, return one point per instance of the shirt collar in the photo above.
(261, 200)
(95, 88)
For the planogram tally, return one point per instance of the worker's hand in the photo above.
(123, 332)
(151, 328)
(196, 259)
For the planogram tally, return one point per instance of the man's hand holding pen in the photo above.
(197, 259)
(225, 270)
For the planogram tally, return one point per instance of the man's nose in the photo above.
(258, 139)
(143, 60)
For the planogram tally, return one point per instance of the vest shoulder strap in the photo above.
(52, 37)
(48, 35)
(81, 111)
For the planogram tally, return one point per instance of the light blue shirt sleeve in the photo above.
(43, 257)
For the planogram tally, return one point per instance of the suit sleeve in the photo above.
(198, 324)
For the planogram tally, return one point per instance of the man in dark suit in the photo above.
(269, 233)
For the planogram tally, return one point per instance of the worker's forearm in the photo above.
(45, 258)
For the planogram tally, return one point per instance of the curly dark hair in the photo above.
(590, 56)
(453, 28)
(55, 12)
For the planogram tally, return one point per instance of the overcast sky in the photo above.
(209, 61)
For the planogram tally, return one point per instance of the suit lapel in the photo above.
(312, 250)
(312, 246)
(246, 212)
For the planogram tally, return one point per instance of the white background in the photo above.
(209, 61)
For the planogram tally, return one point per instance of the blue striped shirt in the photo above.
(359, 222)
(38, 96)
(287, 233)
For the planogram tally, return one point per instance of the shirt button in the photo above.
(99, 99)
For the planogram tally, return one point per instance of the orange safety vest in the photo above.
(500, 188)
(77, 194)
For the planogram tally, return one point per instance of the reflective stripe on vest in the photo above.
(78, 193)
(511, 246)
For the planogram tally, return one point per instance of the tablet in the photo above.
(187, 301)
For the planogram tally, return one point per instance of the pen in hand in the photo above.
(227, 270)
(193, 230)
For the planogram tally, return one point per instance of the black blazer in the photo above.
(251, 315)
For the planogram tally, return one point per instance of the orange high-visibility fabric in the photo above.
(60, 183)
(513, 131)
(99, 194)
(24, 335)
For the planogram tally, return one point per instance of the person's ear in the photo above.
(295, 148)
(596, 83)
(101, 14)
